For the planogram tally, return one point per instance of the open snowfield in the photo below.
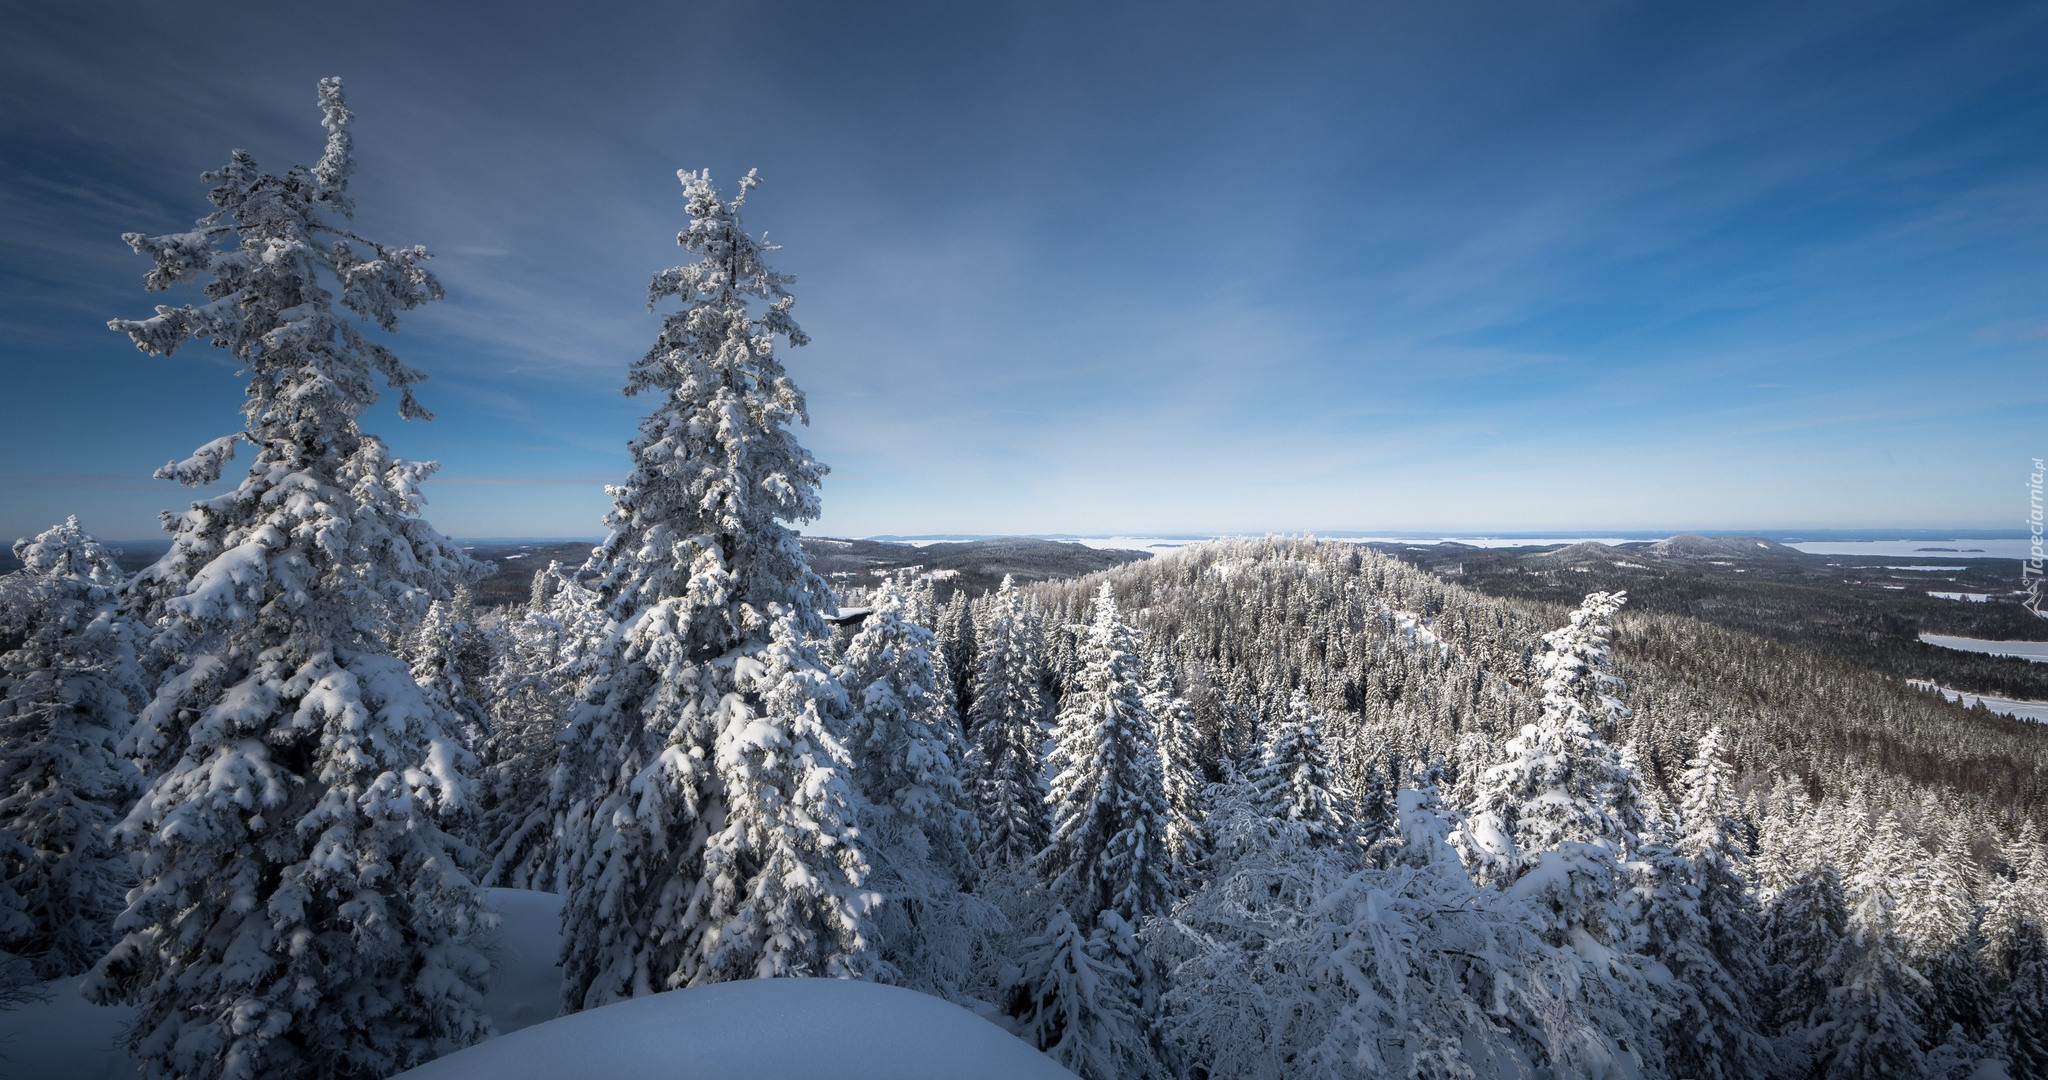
(2036, 651)
(64, 1038)
(69, 1038)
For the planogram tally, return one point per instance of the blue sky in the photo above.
(1108, 268)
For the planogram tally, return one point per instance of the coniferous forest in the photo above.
(1258, 808)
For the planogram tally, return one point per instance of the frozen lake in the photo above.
(2036, 711)
(2016, 547)
(1999, 548)
(2037, 651)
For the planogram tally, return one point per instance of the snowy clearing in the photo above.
(1969, 597)
(2037, 651)
(64, 1038)
(69, 1038)
(2036, 711)
(759, 1029)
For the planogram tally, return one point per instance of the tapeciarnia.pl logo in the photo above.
(2030, 570)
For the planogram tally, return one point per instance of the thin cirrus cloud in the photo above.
(1151, 268)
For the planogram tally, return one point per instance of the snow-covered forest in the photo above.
(1257, 808)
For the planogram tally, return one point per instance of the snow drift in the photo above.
(761, 1029)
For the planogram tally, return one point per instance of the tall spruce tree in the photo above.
(905, 744)
(1802, 929)
(1872, 1025)
(1187, 844)
(1006, 732)
(1710, 930)
(918, 829)
(1107, 851)
(1105, 861)
(1546, 815)
(1294, 782)
(68, 691)
(2022, 1017)
(300, 911)
(541, 661)
(707, 823)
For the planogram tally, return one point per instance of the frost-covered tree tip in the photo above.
(267, 296)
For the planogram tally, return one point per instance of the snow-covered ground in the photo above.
(526, 984)
(770, 1028)
(764, 1029)
(2036, 711)
(2036, 651)
(1968, 597)
(69, 1038)
(64, 1038)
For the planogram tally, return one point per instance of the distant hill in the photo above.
(512, 580)
(1868, 610)
(976, 565)
(1691, 546)
(1588, 551)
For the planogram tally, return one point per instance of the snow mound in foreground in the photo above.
(762, 1029)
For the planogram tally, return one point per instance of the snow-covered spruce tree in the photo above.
(1377, 808)
(1109, 812)
(1106, 859)
(1703, 927)
(1294, 782)
(707, 823)
(450, 658)
(1938, 928)
(1006, 733)
(1551, 824)
(2022, 1020)
(1872, 1024)
(1079, 1003)
(919, 832)
(1711, 838)
(1180, 775)
(68, 691)
(2013, 917)
(1545, 814)
(1803, 927)
(955, 631)
(539, 664)
(300, 910)
(1294, 961)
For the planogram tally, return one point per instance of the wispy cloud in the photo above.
(1304, 266)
